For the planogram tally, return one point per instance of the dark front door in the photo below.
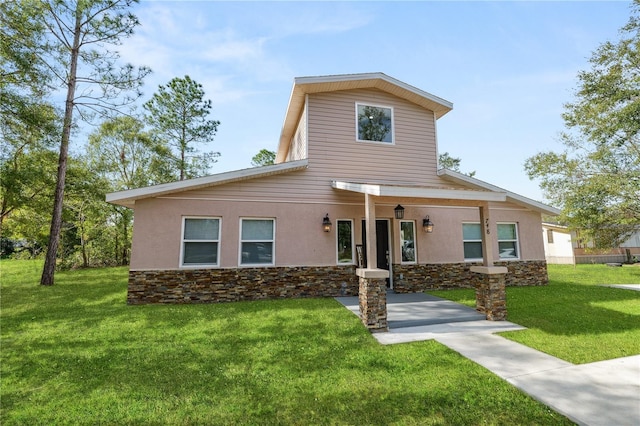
(382, 243)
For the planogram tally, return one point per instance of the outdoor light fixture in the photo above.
(326, 223)
(399, 211)
(427, 225)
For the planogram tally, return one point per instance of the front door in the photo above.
(382, 244)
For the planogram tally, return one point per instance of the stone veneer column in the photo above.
(373, 298)
(491, 295)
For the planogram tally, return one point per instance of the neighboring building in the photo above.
(353, 147)
(566, 247)
(558, 247)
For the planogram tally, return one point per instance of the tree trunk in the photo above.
(83, 243)
(56, 218)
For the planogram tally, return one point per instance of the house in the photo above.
(564, 246)
(355, 195)
(558, 246)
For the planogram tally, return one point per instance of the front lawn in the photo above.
(574, 318)
(75, 353)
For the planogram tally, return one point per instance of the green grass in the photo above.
(574, 318)
(75, 353)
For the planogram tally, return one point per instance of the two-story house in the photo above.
(355, 187)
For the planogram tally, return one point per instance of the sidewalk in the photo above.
(598, 394)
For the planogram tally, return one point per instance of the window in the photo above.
(375, 123)
(408, 241)
(345, 241)
(200, 241)
(257, 241)
(550, 236)
(472, 241)
(508, 241)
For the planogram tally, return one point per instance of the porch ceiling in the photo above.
(399, 191)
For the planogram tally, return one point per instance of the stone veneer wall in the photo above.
(231, 285)
(444, 276)
(235, 284)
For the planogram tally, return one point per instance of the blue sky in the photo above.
(508, 67)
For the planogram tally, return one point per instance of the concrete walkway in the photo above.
(597, 394)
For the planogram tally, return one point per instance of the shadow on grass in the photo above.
(565, 308)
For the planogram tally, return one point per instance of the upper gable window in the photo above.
(374, 123)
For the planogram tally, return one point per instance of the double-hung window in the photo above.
(374, 123)
(200, 241)
(345, 241)
(508, 241)
(257, 241)
(472, 241)
(408, 241)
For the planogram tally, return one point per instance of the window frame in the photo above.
(516, 241)
(415, 248)
(184, 241)
(472, 259)
(272, 241)
(393, 124)
(352, 261)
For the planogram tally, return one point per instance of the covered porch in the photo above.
(372, 296)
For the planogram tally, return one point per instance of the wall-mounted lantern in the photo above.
(326, 223)
(427, 225)
(399, 211)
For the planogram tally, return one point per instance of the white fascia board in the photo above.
(511, 196)
(128, 197)
(419, 192)
(373, 76)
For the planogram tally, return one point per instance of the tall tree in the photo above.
(596, 178)
(179, 115)
(74, 49)
(263, 158)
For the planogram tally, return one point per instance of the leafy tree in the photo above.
(122, 152)
(452, 163)
(596, 178)
(28, 123)
(263, 158)
(179, 115)
(85, 215)
(125, 155)
(69, 40)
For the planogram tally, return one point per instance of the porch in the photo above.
(374, 271)
(420, 316)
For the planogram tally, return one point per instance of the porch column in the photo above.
(370, 219)
(491, 296)
(372, 292)
(487, 236)
(373, 298)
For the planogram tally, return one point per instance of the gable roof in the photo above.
(128, 198)
(512, 197)
(303, 86)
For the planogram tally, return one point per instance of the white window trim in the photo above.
(353, 246)
(182, 241)
(393, 124)
(517, 241)
(273, 241)
(471, 259)
(415, 245)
